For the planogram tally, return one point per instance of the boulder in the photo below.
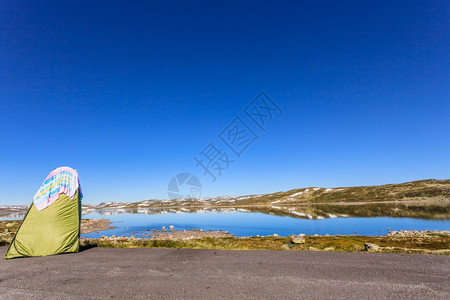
(371, 247)
(329, 249)
(171, 227)
(298, 239)
(285, 247)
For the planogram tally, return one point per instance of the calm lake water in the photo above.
(249, 223)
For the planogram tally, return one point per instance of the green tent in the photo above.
(55, 227)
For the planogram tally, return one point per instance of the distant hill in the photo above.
(426, 199)
(409, 191)
(421, 190)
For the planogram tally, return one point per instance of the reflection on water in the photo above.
(12, 215)
(12, 212)
(368, 219)
(109, 212)
(435, 209)
(439, 209)
(242, 223)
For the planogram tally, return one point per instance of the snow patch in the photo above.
(301, 214)
(299, 193)
(296, 194)
(298, 213)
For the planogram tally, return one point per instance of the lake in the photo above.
(256, 223)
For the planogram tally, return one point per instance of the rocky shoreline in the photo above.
(170, 235)
(403, 233)
(93, 225)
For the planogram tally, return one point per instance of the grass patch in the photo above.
(422, 244)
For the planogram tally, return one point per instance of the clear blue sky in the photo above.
(128, 93)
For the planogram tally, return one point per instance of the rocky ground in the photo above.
(92, 225)
(185, 234)
(419, 233)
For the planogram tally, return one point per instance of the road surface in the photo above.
(214, 274)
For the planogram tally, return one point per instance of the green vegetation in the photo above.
(432, 244)
(7, 231)
(410, 191)
(423, 210)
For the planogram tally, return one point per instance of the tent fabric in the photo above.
(53, 230)
(61, 180)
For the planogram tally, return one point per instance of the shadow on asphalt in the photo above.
(84, 248)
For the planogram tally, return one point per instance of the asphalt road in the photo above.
(211, 274)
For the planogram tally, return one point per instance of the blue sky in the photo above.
(128, 93)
